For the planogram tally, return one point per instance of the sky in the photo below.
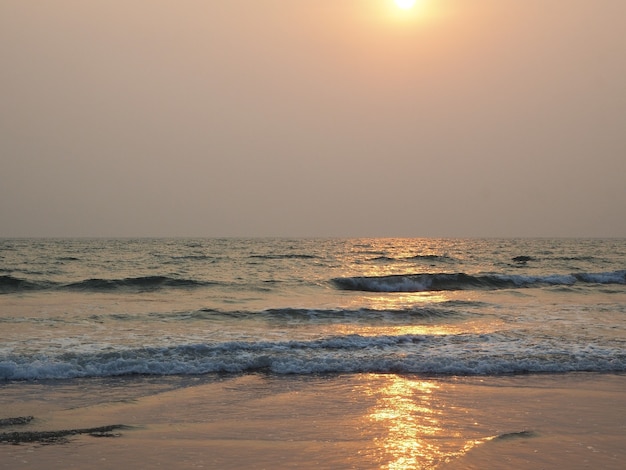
(457, 118)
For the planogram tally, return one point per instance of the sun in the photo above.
(405, 4)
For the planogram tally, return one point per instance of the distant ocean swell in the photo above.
(10, 284)
(286, 316)
(466, 354)
(361, 315)
(392, 283)
(461, 281)
(426, 258)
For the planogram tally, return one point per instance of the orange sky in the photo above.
(325, 118)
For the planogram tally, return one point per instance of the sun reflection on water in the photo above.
(411, 414)
(417, 313)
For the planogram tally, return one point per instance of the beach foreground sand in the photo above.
(357, 421)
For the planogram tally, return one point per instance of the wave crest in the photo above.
(464, 354)
(144, 283)
(462, 281)
(10, 284)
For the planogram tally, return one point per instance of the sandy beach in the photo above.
(338, 421)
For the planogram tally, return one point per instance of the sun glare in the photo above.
(405, 4)
(412, 413)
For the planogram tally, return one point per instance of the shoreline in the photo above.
(574, 420)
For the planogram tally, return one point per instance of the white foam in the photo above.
(616, 277)
(468, 354)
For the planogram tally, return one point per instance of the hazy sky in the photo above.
(312, 118)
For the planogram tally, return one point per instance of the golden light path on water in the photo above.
(418, 427)
(415, 436)
(427, 325)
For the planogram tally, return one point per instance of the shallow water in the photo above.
(337, 421)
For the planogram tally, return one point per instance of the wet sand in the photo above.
(334, 422)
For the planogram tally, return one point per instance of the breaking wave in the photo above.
(462, 281)
(464, 354)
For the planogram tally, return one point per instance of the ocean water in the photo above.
(93, 308)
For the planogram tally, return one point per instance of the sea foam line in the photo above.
(464, 354)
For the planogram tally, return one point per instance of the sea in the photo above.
(76, 309)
